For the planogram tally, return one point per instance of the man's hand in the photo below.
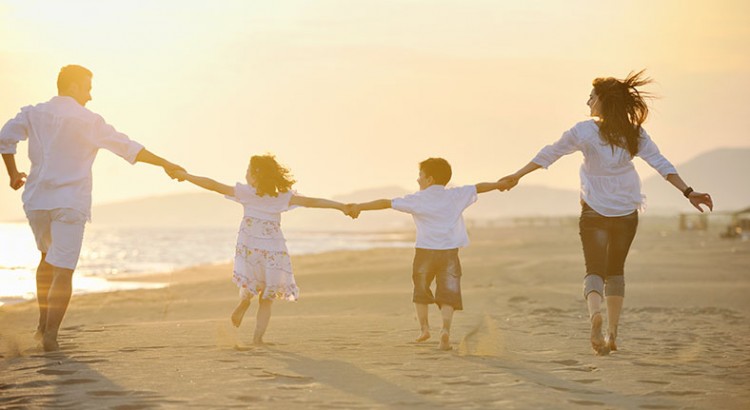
(17, 180)
(175, 171)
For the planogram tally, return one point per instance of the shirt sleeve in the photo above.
(242, 193)
(409, 203)
(649, 152)
(105, 136)
(13, 132)
(567, 144)
(467, 195)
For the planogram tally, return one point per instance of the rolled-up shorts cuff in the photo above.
(59, 234)
(593, 283)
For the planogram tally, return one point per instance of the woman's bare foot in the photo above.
(611, 340)
(597, 340)
(445, 340)
(424, 336)
(239, 312)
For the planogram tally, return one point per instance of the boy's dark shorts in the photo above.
(442, 266)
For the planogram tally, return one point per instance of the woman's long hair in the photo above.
(623, 109)
(270, 177)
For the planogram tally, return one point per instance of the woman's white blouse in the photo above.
(609, 182)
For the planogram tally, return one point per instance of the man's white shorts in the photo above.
(59, 234)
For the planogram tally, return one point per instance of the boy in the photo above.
(437, 213)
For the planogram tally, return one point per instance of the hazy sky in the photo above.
(352, 94)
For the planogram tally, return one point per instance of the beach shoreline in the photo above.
(521, 341)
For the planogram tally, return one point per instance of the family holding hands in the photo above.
(64, 138)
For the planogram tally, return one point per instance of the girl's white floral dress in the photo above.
(261, 258)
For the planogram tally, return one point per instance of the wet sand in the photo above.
(521, 342)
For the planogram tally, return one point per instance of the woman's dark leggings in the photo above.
(606, 242)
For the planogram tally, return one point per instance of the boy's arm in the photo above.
(205, 183)
(483, 187)
(374, 205)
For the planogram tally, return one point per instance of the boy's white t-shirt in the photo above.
(438, 214)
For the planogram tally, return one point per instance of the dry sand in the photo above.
(522, 341)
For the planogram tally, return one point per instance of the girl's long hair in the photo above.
(623, 109)
(270, 176)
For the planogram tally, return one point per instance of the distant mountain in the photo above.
(723, 173)
(720, 172)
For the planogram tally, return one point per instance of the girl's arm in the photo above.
(316, 203)
(206, 183)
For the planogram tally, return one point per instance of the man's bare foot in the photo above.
(597, 340)
(445, 340)
(424, 336)
(50, 344)
(239, 312)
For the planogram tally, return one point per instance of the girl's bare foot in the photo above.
(445, 340)
(424, 336)
(597, 340)
(239, 312)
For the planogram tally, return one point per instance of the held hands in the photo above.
(175, 172)
(351, 210)
(17, 180)
(698, 198)
(507, 182)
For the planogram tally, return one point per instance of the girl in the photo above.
(261, 264)
(610, 190)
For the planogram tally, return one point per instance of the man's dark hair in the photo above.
(71, 74)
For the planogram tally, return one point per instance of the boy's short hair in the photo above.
(437, 168)
(71, 74)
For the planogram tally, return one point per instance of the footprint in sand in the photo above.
(654, 382)
(53, 372)
(107, 393)
(586, 402)
(75, 381)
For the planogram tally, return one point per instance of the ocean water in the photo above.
(126, 253)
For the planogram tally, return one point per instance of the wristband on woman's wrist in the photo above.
(687, 192)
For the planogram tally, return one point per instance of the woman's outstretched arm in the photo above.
(696, 198)
(512, 180)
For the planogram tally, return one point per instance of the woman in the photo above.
(610, 190)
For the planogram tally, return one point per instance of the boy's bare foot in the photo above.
(39, 335)
(49, 344)
(597, 340)
(424, 336)
(445, 340)
(239, 312)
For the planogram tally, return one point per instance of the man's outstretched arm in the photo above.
(149, 157)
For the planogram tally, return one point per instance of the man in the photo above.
(64, 138)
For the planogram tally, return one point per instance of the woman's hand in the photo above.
(698, 198)
(508, 182)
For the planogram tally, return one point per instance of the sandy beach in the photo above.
(520, 343)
